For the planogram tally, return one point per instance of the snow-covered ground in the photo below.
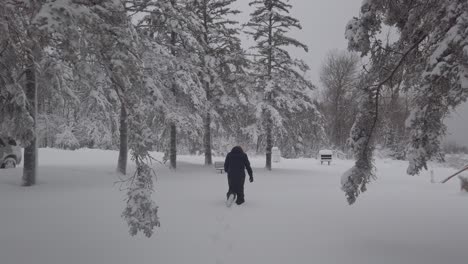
(294, 214)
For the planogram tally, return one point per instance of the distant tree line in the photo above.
(454, 148)
(342, 76)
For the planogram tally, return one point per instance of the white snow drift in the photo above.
(294, 214)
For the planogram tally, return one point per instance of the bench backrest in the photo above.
(219, 164)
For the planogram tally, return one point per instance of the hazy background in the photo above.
(323, 25)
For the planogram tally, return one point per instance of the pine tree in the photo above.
(221, 56)
(172, 24)
(29, 29)
(30, 151)
(281, 77)
(107, 32)
(21, 49)
(236, 120)
(430, 56)
(121, 56)
(123, 148)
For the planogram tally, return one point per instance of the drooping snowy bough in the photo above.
(103, 34)
(429, 56)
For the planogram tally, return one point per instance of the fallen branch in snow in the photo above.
(455, 174)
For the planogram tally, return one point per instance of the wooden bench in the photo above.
(219, 166)
(325, 156)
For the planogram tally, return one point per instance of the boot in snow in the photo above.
(230, 199)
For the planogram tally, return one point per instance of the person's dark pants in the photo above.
(236, 186)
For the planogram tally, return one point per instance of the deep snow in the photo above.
(294, 214)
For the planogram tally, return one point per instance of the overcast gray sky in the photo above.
(323, 23)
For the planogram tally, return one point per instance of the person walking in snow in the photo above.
(235, 165)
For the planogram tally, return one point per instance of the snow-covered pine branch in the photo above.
(430, 51)
(112, 43)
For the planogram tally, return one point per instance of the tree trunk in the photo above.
(30, 152)
(173, 132)
(173, 137)
(207, 125)
(269, 143)
(337, 119)
(123, 150)
(269, 140)
(173, 147)
(207, 139)
(259, 144)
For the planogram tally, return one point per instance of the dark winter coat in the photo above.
(236, 163)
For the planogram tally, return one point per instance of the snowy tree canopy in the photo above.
(281, 84)
(20, 44)
(429, 55)
(221, 59)
(125, 73)
(100, 36)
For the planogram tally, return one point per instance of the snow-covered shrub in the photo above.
(66, 139)
(93, 134)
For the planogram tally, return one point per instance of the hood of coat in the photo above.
(237, 150)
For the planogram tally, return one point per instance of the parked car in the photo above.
(10, 153)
